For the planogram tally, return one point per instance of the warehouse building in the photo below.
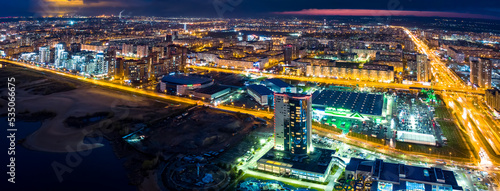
(261, 94)
(210, 93)
(180, 84)
(391, 176)
(351, 105)
(315, 166)
(279, 86)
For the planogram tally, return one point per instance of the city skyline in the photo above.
(291, 96)
(240, 8)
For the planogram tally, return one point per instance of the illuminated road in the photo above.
(261, 113)
(485, 125)
(342, 81)
(473, 115)
(144, 92)
(443, 75)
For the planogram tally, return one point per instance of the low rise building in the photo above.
(315, 166)
(261, 94)
(180, 84)
(210, 93)
(279, 86)
(350, 105)
(391, 176)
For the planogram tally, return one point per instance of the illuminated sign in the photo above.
(256, 64)
(383, 186)
(336, 110)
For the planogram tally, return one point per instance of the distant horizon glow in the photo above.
(384, 13)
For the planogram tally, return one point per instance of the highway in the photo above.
(450, 79)
(477, 119)
(144, 92)
(343, 81)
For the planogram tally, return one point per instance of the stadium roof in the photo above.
(181, 79)
(362, 103)
(260, 89)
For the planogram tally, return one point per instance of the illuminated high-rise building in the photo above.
(423, 68)
(58, 55)
(287, 54)
(292, 123)
(142, 51)
(44, 53)
(480, 72)
(100, 65)
(110, 61)
(127, 49)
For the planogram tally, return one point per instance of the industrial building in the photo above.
(279, 86)
(261, 94)
(315, 166)
(417, 138)
(351, 105)
(391, 176)
(210, 93)
(179, 84)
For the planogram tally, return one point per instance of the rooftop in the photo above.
(181, 79)
(260, 89)
(278, 82)
(295, 95)
(362, 103)
(211, 89)
(390, 172)
(316, 161)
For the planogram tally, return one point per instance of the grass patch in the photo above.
(89, 119)
(442, 113)
(52, 86)
(324, 126)
(23, 76)
(36, 116)
(456, 146)
(366, 137)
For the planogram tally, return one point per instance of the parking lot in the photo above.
(417, 116)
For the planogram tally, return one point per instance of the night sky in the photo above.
(255, 8)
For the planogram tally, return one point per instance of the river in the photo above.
(99, 170)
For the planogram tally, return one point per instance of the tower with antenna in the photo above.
(120, 15)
